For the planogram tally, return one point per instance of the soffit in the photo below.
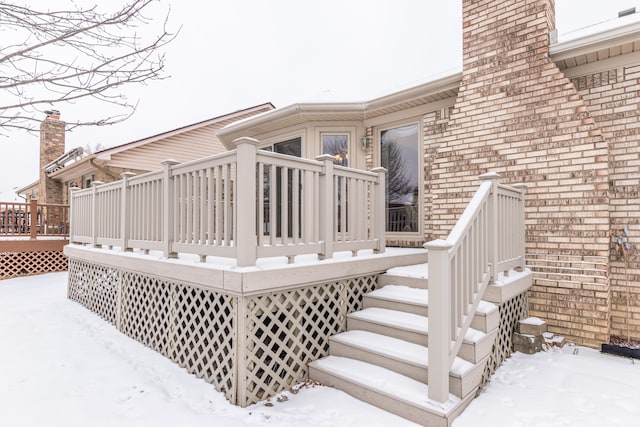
(75, 170)
(595, 47)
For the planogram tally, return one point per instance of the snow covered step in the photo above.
(405, 358)
(415, 328)
(414, 276)
(416, 301)
(387, 390)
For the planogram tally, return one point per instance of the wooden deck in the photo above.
(32, 238)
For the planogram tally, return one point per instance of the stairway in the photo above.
(382, 358)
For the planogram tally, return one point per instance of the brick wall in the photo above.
(104, 174)
(613, 97)
(518, 115)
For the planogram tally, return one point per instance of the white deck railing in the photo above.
(243, 204)
(489, 238)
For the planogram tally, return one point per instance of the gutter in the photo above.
(593, 42)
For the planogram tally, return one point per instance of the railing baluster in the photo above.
(295, 203)
(219, 210)
(273, 205)
(210, 205)
(284, 205)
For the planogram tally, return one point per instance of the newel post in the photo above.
(168, 205)
(125, 219)
(522, 228)
(33, 219)
(246, 238)
(326, 212)
(493, 222)
(379, 217)
(71, 216)
(439, 318)
(95, 215)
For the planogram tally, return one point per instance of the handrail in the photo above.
(33, 219)
(487, 239)
(244, 204)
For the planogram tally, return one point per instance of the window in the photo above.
(291, 147)
(400, 155)
(88, 180)
(336, 145)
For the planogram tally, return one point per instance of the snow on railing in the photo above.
(243, 204)
(489, 238)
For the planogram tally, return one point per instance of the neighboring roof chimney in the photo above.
(52, 140)
(53, 114)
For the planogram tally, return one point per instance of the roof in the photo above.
(129, 155)
(607, 40)
(230, 116)
(434, 90)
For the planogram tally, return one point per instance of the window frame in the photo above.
(417, 235)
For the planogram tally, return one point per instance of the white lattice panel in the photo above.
(146, 303)
(287, 330)
(193, 327)
(198, 328)
(511, 311)
(95, 287)
(205, 336)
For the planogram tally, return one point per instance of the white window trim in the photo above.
(377, 131)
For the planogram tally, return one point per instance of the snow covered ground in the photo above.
(61, 365)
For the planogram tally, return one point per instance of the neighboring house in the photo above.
(61, 171)
(562, 117)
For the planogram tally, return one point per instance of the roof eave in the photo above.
(235, 130)
(595, 42)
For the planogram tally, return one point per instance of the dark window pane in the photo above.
(338, 147)
(399, 154)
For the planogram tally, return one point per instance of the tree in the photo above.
(399, 187)
(49, 58)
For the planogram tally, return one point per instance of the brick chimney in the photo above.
(518, 115)
(52, 133)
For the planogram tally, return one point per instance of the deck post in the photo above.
(246, 238)
(125, 225)
(71, 197)
(378, 211)
(522, 229)
(94, 213)
(493, 223)
(439, 318)
(33, 218)
(168, 204)
(326, 215)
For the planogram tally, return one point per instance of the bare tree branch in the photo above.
(49, 58)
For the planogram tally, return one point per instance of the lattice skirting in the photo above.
(16, 264)
(511, 311)
(249, 347)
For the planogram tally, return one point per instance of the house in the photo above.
(202, 286)
(60, 170)
(561, 117)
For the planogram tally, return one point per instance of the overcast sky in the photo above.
(233, 54)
